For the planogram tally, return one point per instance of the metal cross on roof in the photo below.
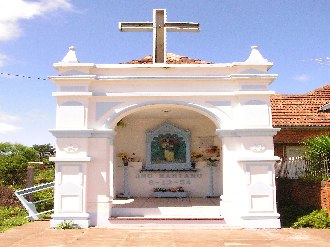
(159, 27)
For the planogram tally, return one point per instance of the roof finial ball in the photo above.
(70, 57)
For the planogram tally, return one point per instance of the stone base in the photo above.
(232, 212)
(81, 220)
(170, 194)
(262, 220)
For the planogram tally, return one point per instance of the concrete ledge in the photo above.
(79, 219)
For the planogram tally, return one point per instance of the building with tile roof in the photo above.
(300, 116)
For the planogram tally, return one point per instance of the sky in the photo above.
(294, 35)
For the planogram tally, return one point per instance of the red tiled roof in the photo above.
(301, 109)
(171, 58)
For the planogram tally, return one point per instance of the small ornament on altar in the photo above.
(124, 158)
(213, 151)
(213, 161)
(195, 157)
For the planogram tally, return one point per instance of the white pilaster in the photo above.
(111, 166)
(249, 198)
(70, 192)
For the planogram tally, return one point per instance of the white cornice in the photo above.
(83, 133)
(188, 94)
(165, 77)
(73, 65)
(71, 77)
(70, 159)
(70, 66)
(247, 132)
(73, 94)
(258, 159)
(268, 65)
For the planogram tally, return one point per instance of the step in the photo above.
(167, 222)
(168, 212)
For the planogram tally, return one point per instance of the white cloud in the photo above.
(3, 59)
(302, 78)
(322, 60)
(5, 128)
(13, 11)
(5, 117)
(35, 115)
(5, 125)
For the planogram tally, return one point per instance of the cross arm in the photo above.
(182, 26)
(135, 26)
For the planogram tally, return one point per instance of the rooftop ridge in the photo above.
(171, 58)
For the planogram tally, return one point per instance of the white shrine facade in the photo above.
(204, 130)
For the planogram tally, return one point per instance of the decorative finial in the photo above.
(255, 56)
(70, 57)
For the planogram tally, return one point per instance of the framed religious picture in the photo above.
(168, 148)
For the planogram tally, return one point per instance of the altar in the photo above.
(176, 130)
(164, 161)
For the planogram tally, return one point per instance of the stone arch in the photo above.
(215, 115)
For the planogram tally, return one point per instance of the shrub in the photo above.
(7, 197)
(14, 160)
(290, 214)
(11, 217)
(44, 173)
(318, 154)
(317, 219)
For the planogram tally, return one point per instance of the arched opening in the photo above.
(202, 182)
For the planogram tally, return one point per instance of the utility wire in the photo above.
(23, 76)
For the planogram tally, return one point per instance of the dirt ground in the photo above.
(39, 234)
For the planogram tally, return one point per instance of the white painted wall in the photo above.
(92, 98)
(132, 139)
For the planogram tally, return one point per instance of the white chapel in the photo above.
(164, 137)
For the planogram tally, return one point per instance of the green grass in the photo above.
(11, 217)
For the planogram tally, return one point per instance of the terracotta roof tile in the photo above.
(171, 58)
(301, 109)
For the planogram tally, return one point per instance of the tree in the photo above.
(14, 160)
(44, 150)
(318, 154)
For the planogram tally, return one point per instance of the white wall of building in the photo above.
(233, 97)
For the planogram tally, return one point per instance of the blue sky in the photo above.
(294, 35)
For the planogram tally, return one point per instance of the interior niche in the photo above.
(168, 148)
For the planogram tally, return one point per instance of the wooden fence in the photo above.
(297, 167)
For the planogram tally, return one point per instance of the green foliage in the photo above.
(318, 147)
(290, 214)
(42, 195)
(45, 151)
(317, 219)
(44, 173)
(11, 217)
(14, 160)
(318, 153)
(67, 225)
